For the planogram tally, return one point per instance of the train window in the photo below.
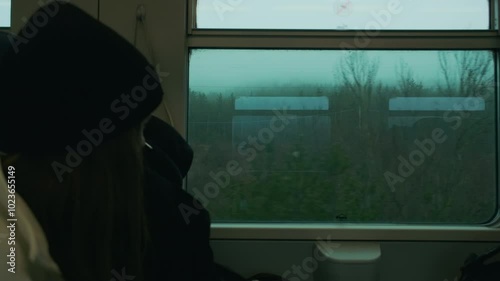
(5, 13)
(343, 14)
(332, 135)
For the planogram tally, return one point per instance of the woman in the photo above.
(75, 98)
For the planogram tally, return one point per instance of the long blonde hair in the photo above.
(94, 219)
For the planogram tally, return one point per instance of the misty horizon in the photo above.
(244, 71)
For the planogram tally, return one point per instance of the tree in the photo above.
(358, 74)
(466, 73)
(407, 84)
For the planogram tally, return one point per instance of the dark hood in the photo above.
(71, 76)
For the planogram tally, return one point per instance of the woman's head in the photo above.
(73, 78)
(77, 89)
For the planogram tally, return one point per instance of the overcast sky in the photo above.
(344, 14)
(219, 70)
(250, 70)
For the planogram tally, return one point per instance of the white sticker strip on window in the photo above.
(290, 103)
(437, 104)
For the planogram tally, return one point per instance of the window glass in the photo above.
(344, 14)
(361, 136)
(5, 13)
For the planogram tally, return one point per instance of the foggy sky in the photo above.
(227, 70)
(244, 70)
(342, 14)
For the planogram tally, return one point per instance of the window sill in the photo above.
(349, 231)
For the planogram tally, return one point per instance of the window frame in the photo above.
(332, 40)
(354, 232)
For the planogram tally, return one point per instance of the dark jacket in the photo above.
(4, 43)
(179, 250)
